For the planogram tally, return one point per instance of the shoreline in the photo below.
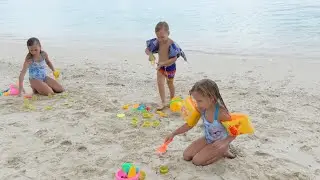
(137, 49)
(85, 140)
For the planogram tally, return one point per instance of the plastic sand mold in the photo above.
(126, 106)
(164, 169)
(134, 121)
(147, 115)
(146, 124)
(155, 123)
(48, 108)
(121, 115)
(27, 105)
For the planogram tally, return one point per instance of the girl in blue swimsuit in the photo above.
(215, 143)
(36, 61)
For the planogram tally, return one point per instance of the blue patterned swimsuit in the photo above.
(213, 130)
(37, 69)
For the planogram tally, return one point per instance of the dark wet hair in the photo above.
(33, 41)
(208, 88)
(160, 25)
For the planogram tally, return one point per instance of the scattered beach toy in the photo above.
(148, 108)
(64, 95)
(48, 108)
(146, 124)
(14, 90)
(152, 59)
(126, 167)
(162, 114)
(132, 172)
(142, 175)
(27, 105)
(147, 115)
(28, 96)
(56, 74)
(121, 115)
(176, 104)
(155, 123)
(122, 174)
(164, 169)
(134, 121)
(141, 107)
(128, 172)
(0, 93)
(11, 91)
(163, 148)
(34, 98)
(126, 106)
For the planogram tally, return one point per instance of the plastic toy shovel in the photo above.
(163, 147)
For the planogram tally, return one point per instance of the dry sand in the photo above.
(81, 137)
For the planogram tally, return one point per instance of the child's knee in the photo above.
(187, 156)
(49, 92)
(197, 161)
(170, 82)
(59, 90)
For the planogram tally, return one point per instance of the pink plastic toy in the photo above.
(120, 175)
(13, 90)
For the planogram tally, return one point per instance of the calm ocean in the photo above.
(283, 28)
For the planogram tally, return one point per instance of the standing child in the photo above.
(168, 52)
(36, 61)
(215, 143)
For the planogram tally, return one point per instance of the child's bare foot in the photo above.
(229, 155)
(161, 106)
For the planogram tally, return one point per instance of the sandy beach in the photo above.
(81, 137)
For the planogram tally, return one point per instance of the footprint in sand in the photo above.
(41, 132)
(101, 161)
(236, 150)
(265, 116)
(15, 162)
(273, 95)
(271, 109)
(49, 141)
(305, 148)
(264, 102)
(17, 124)
(85, 170)
(264, 140)
(243, 93)
(77, 76)
(81, 148)
(260, 153)
(66, 143)
(115, 84)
